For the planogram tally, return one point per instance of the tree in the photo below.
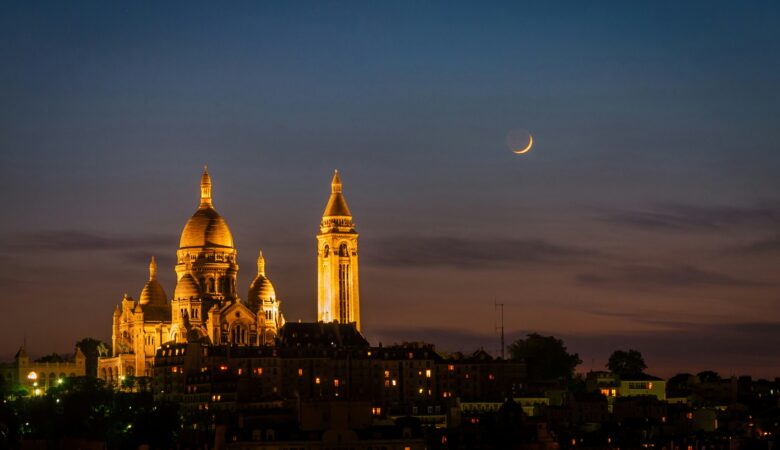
(92, 350)
(52, 358)
(626, 363)
(708, 376)
(546, 357)
(679, 383)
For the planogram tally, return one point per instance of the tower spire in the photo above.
(335, 185)
(152, 270)
(261, 264)
(337, 206)
(205, 189)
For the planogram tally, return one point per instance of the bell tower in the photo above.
(338, 296)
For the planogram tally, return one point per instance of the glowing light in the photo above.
(32, 376)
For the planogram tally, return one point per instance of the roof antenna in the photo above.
(500, 305)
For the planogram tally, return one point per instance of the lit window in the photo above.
(427, 373)
(336, 382)
(32, 376)
(259, 370)
(491, 377)
(387, 374)
(393, 382)
(223, 367)
(317, 380)
(451, 367)
(300, 372)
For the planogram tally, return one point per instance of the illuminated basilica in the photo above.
(206, 307)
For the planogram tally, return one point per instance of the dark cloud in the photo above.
(462, 252)
(72, 241)
(141, 257)
(646, 276)
(771, 245)
(678, 217)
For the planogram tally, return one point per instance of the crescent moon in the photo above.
(525, 150)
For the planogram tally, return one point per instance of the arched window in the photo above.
(326, 251)
(343, 251)
(210, 283)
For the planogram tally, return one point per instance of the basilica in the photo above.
(206, 306)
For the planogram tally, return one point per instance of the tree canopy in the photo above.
(546, 357)
(625, 363)
(708, 376)
(92, 350)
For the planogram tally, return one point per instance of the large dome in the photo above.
(206, 228)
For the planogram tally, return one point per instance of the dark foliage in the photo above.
(626, 363)
(84, 408)
(546, 357)
(92, 350)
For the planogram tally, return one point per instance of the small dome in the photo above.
(186, 288)
(206, 228)
(153, 292)
(261, 288)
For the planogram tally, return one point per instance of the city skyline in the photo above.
(646, 216)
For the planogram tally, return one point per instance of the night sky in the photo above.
(646, 216)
